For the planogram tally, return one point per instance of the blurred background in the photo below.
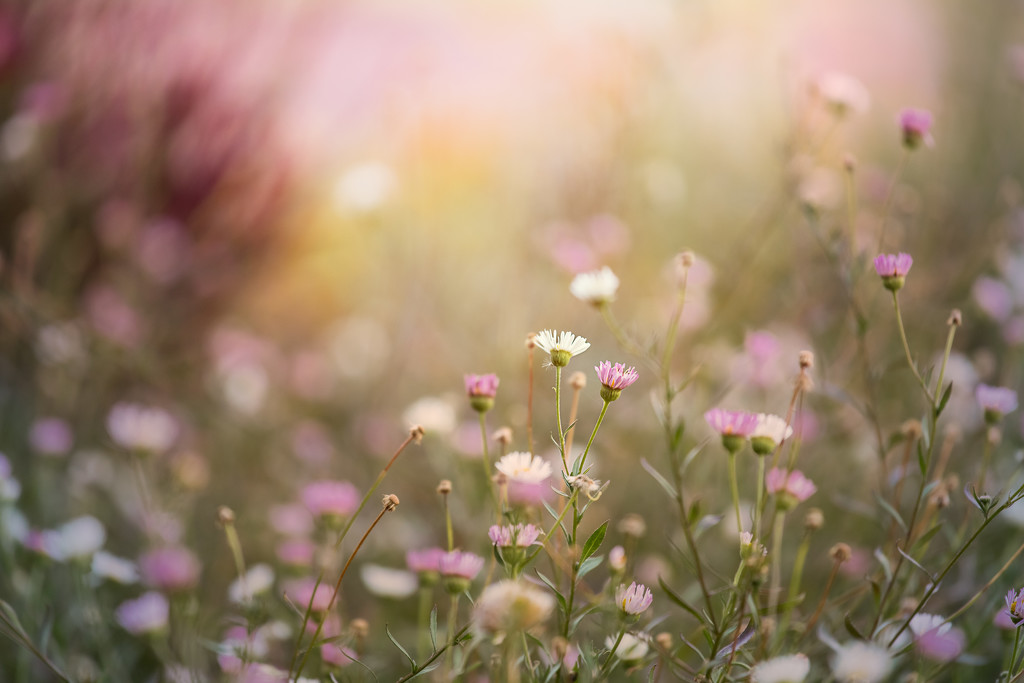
(293, 225)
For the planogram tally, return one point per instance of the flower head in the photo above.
(459, 569)
(595, 288)
(771, 430)
(790, 487)
(170, 569)
(561, 346)
(893, 269)
(843, 94)
(518, 535)
(509, 606)
(734, 426)
(860, 662)
(786, 669)
(614, 378)
(936, 639)
(630, 649)
(996, 401)
(481, 390)
(525, 468)
(140, 428)
(916, 126)
(146, 614)
(1015, 605)
(426, 563)
(330, 499)
(634, 599)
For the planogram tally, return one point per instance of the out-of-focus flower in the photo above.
(994, 297)
(481, 390)
(995, 401)
(296, 552)
(365, 187)
(304, 592)
(330, 500)
(843, 94)
(434, 414)
(634, 599)
(146, 614)
(291, 519)
(258, 580)
(459, 568)
(734, 426)
(595, 288)
(893, 269)
(630, 649)
(819, 189)
(916, 126)
(936, 639)
(524, 467)
(387, 582)
(750, 548)
(170, 569)
(511, 606)
(561, 346)
(51, 436)
(617, 558)
(771, 430)
(519, 535)
(785, 669)
(119, 569)
(860, 662)
(424, 561)
(790, 487)
(80, 538)
(142, 429)
(337, 656)
(614, 378)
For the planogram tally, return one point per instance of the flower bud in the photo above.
(578, 380)
(814, 519)
(840, 552)
(390, 502)
(444, 487)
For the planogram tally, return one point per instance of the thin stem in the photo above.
(760, 497)
(487, 462)
(529, 394)
(779, 526)
(444, 648)
(906, 349)
(735, 489)
(611, 655)
(824, 598)
(337, 588)
(448, 522)
(423, 616)
(597, 425)
(986, 457)
(558, 415)
(554, 526)
(988, 585)
(673, 326)
(945, 360)
(235, 544)
(574, 407)
(1013, 655)
(453, 612)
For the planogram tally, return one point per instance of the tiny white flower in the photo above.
(81, 537)
(597, 287)
(258, 579)
(786, 669)
(772, 427)
(561, 346)
(117, 569)
(524, 467)
(860, 662)
(386, 582)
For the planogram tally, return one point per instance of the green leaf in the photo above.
(892, 512)
(433, 628)
(925, 537)
(658, 478)
(551, 585)
(399, 646)
(851, 629)
(914, 562)
(588, 565)
(884, 561)
(944, 400)
(594, 542)
(678, 600)
(922, 462)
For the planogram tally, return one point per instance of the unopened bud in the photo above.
(578, 380)
(360, 628)
(225, 515)
(995, 435)
(530, 343)
(444, 487)
(911, 429)
(956, 318)
(840, 552)
(390, 502)
(500, 479)
(416, 432)
(633, 525)
(850, 163)
(664, 640)
(814, 519)
(687, 258)
(806, 360)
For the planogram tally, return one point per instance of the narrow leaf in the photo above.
(678, 600)
(433, 628)
(851, 629)
(399, 646)
(944, 400)
(588, 565)
(914, 562)
(892, 512)
(658, 478)
(594, 542)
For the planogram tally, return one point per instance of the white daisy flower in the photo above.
(860, 662)
(770, 431)
(630, 648)
(526, 468)
(596, 287)
(561, 347)
(787, 669)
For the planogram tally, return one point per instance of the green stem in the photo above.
(424, 615)
(453, 612)
(986, 456)
(487, 462)
(734, 487)
(988, 585)
(776, 553)
(673, 326)
(554, 526)
(906, 349)
(945, 360)
(558, 416)
(611, 655)
(417, 670)
(760, 497)
(600, 419)
(1013, 655)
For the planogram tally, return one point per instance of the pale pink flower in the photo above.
(173, 568)
(731, 422)
(51, 436)
(996, 401)
(521, 535)
(916, 126)
(485, 386)
(791, 487)
(616, 377)
(296, 552)
(893, 265)
(304, 592)
(634, 599)
(426, 560)
(461, 564)
(337, 655)
(148, 613)
(330, 498)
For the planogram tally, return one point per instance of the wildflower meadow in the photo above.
(505, 342)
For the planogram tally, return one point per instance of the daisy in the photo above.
(595, 288)
(561, 347)
(524, 468)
